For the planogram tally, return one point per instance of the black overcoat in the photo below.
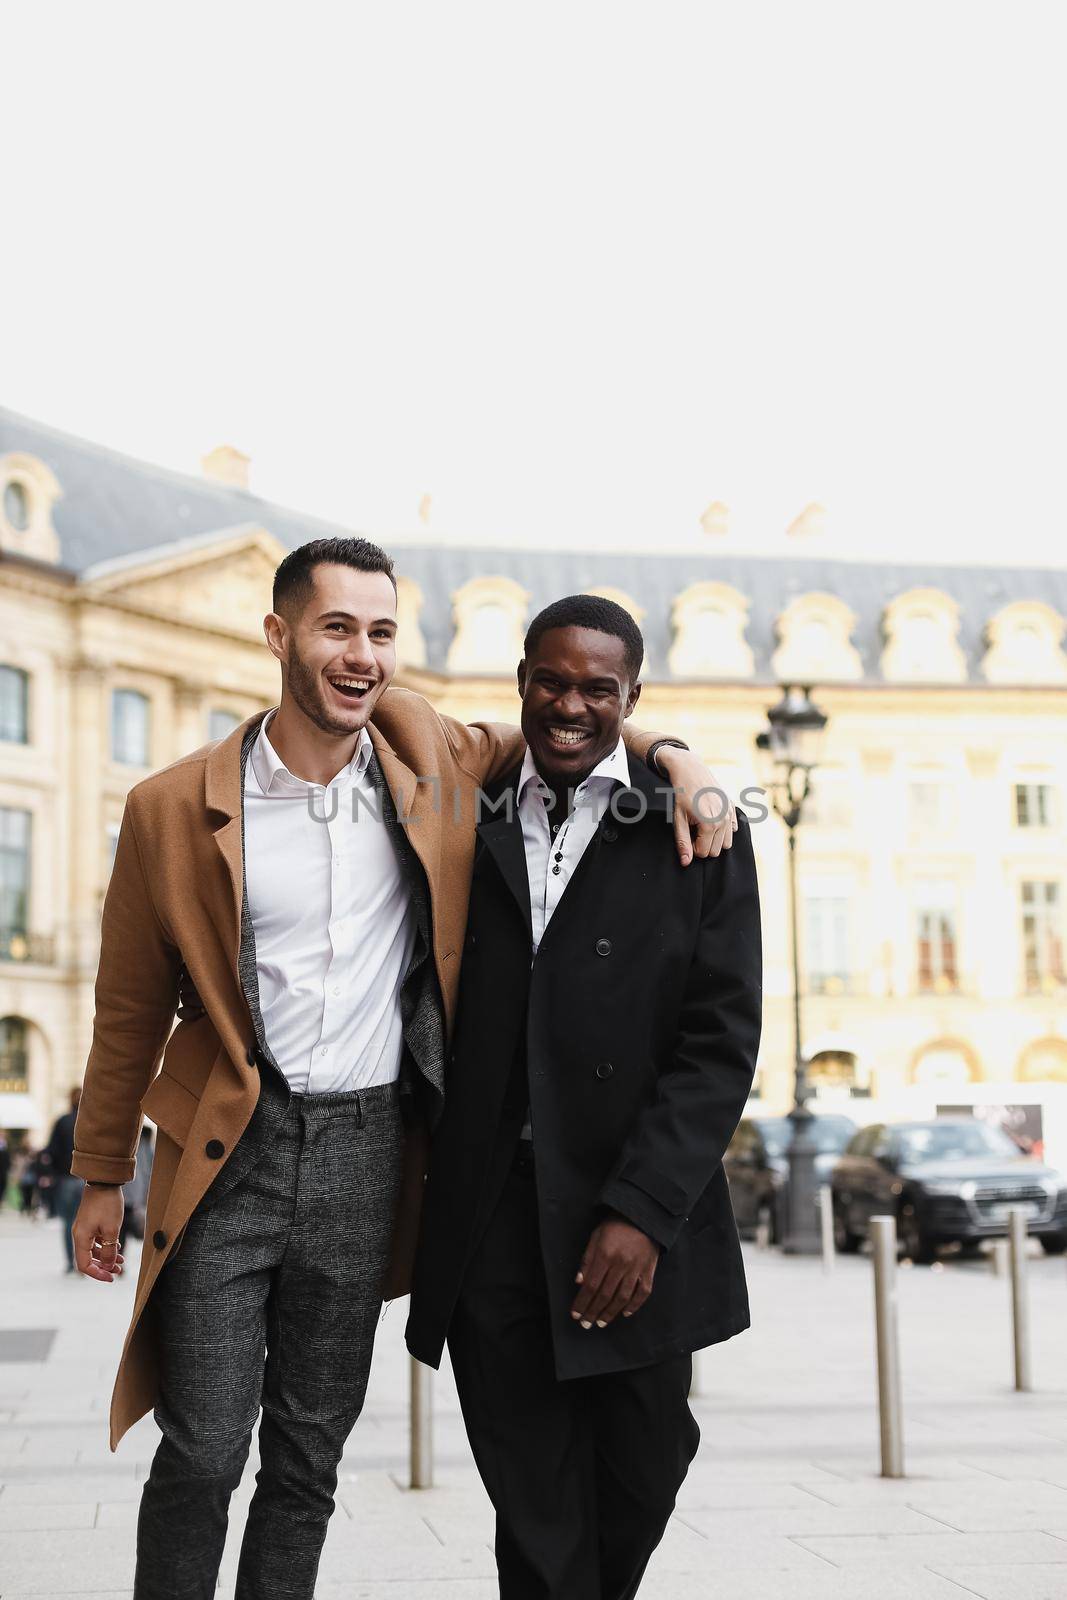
(634, 1033)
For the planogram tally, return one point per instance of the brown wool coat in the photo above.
(175, 896)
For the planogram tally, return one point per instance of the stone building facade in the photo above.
(932, 859)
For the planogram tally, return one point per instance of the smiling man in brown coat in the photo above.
(292, 1097)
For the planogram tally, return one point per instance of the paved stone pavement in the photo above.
(783, 1502)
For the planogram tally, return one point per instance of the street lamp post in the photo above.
(790, 746)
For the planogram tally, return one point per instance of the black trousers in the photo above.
(270, 1305)
(583, 1475)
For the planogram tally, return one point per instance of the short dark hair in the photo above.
(590, 611)
(294, 581)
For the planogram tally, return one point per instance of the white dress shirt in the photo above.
(550, 864)
(333, 922)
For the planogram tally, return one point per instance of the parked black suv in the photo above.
(757, 1166)
(950, 1181)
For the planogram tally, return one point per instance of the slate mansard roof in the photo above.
(113, 506)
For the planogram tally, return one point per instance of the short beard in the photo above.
(304, 685)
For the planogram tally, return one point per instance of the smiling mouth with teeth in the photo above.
(352, 688)
(569, 736)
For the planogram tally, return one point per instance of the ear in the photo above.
(520, 677)
(276, 633)
(633, 697)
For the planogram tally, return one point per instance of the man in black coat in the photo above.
(577, 1241)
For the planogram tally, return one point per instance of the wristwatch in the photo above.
(654, 749)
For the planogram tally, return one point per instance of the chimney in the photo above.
(810, 524)
(716, 519)
(227, 465)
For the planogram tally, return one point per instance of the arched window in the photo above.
(921, 629)
(1024, 645)
(944, 1065)
(709, 622)
(489, 618)
(816, 641)
(28, 491)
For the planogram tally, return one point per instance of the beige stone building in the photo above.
(932, 857)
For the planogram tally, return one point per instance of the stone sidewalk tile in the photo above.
(27, 1518)
(69, 1562)
(92, 1594)
(1047, 1464)
(903, 1583)
(937, 1549)
(70, 1488)
(936, 1492)
(987, 1517)
(1010, 1583)
(384, 1589)
(808, 1520)
(702, 1494)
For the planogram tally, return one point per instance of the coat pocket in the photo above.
(171, 1107)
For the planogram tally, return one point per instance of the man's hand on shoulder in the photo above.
(616, 1273)
(704, 817)
(96, 1232)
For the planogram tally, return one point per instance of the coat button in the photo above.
(603, 947)
(215, 1149)
(605, 1069)
(250, 1055)
(611, 834)
(159, 1239)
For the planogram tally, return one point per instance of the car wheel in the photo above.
(970, 1248)
(846, 1243)
(917, 1244)
(1054, 1244)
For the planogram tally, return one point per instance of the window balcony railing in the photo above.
(17, 945)
(833, 983)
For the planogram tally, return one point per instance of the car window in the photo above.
(956, 1141)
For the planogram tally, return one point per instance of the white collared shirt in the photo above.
(333, 922)
(550, 865)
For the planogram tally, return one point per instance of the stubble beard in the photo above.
(305, 687)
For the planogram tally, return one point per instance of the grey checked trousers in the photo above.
(271, 1301)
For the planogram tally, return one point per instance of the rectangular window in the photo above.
(14, 706)
(1042, 934)
(15, 833)
(14, 1056)
(1034, 805)
(928, 806)
(935, 934)
(827, 944)
(129, 728)
(829, 805)
(220, 723)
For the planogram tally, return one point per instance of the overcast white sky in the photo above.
(575, 269)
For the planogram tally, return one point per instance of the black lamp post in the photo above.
(790, 747)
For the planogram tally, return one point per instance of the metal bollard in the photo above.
(421, 1426)
(999, 1258)
(890, 1418)
(1020, 1301)
(826, 1222)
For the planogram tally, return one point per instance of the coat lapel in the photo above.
(223, 776)
(502, 837)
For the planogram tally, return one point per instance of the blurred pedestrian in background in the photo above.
(67, 1190)
(5, 1165)
(26, 1181)
(135, 1193)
